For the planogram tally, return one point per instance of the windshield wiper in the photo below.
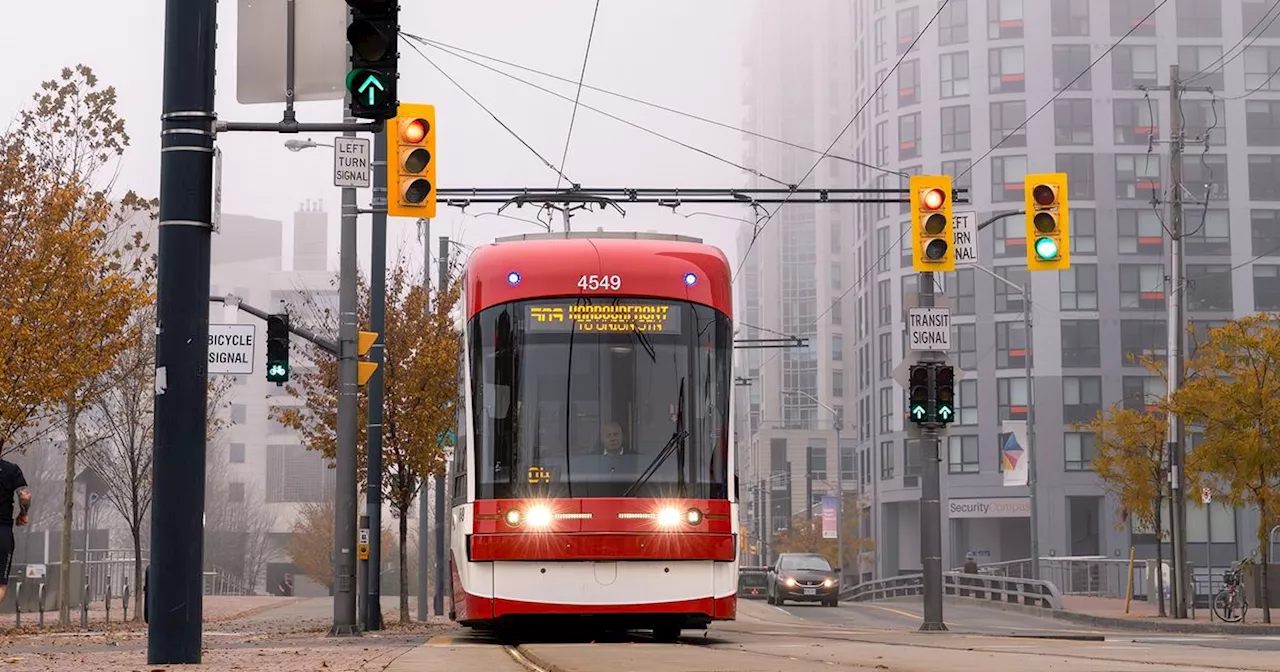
(674, 444)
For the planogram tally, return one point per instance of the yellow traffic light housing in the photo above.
(365, 370)
(411, 161)
(931, 223)
(1048, 235)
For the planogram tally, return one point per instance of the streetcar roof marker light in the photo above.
(513, 278)
(1046, 248)
(668, 516)
(538, 516)
(690, 279)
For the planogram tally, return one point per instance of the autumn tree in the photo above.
(420, 381)
(90, 282)
(310, 547)
(1233, 393)
(805, 536)
(1130, 463)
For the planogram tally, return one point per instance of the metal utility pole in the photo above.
(839, 425)
(182, 333)
(377, 324)
(1177, 434)
(424, 511)
(930, 498)
(437, 602)
(808, 482)
(344, 537)
(1032, 456)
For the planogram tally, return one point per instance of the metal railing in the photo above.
(981, 587)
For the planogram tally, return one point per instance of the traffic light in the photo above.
(365, 370)
(931, 226)
(372, 34)
(1048, 239)
(944, 394)
(918, 406)
(278, 349)
(411, 162)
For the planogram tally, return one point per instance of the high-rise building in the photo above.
(841, 276)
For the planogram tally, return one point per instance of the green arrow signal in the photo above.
(918, 412)
(945, 412)
(372, 84)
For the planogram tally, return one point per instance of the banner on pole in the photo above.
(828, 517)
(1013, 452)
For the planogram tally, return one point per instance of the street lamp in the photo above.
(838, 424)
(295, 145)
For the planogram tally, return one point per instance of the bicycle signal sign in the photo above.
(1206, 495)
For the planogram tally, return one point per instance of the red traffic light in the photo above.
(933, 199)
(1044, 195)
(414, 131)
(944, 375)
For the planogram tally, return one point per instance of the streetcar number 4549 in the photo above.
(598, 282)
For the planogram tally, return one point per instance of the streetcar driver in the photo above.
(611, 439)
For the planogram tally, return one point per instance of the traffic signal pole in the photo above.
(930, 496)
(437, 600)
(182, 334)
(372, 619)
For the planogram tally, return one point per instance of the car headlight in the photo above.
(827, 583)
(539, 516)
(791, 583)
(668, 517)
(513, 517)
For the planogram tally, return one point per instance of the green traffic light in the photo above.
(945, 413)
(1046, 248)
(918, 412)
(367, 86)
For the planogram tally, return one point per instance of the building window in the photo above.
(1137, 176)
(955, 129)
(1011, 237)
(886, 410)
(1263, 174)
(962, 455)
(953, 23)
(886, 356)
(1005, 118)
(1084, 228)
(235, 453)
(1004, 19)
(848, 471)
(1132, 67)
(881, 43)
(1204, 60)
(909, 83)
(886, 460)
(1265, 231)
(1008, 70)
(1011, 397)
(954, 71)
(967, 403)
(882, 95)
(1210, 236)
(1069, 18)
(1139, 232)
(1125, 14)
(1079, 168)
(235, 492)
(908, 19)
(1260, 65)
(1143, 338)
(1011, 345)
(1254, 17)
(1073, 121)
(965, 298)
(1081, 398)
(837, 347)
(1008, 299)
(1079, 449)
(1200, 331)
(909, 136)
(1136, 121)
(1143, 393)
(818, 462)
(1078, 287)
(1069, 61)
(1203, 119)
(1200, 18)
(964, 342)
(1262, 122)
(1266, 288)
(1206, 176)
(1081, 344)
(1210, 287)
(239, 414)
(1142, 287)
(884, 299)
(1008, 178)
(837, 383)
(959, 170)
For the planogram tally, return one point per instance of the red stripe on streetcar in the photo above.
(602, 546)
(602, 515)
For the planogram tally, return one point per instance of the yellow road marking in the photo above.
(897, 611)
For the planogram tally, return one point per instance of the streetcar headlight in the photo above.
(693, 516)
(539, 516)
(668, 517)
(513, 517)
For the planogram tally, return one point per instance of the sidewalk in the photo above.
(1110, 612)
(216, 609)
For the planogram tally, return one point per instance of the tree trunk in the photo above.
(137, 572)
(1159, 557)
(1264, 535)
(68, 520)
(404, 569)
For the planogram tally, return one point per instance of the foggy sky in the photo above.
(679, 53)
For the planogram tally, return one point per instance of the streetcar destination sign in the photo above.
(929, 329)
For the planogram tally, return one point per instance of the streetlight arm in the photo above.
(1014, 285)
(839, 423)
(1000, 216)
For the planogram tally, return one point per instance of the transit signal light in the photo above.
(411, 164)
(278, 349)
(372, 35)
(1048, 240)
(364, 341)
(944, 394)
(918, 401)
(931, 223)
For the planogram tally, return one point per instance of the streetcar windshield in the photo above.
(593, 397)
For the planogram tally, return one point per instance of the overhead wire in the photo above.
(577, 97)
(1223, 59)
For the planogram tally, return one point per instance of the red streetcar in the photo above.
(593, 475)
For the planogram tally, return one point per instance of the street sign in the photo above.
(929, 329)
(320, 59)
(1206, 495)
(966, 237)
(231, 348)
(352, 162)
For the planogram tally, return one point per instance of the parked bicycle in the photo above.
(1230, 604)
